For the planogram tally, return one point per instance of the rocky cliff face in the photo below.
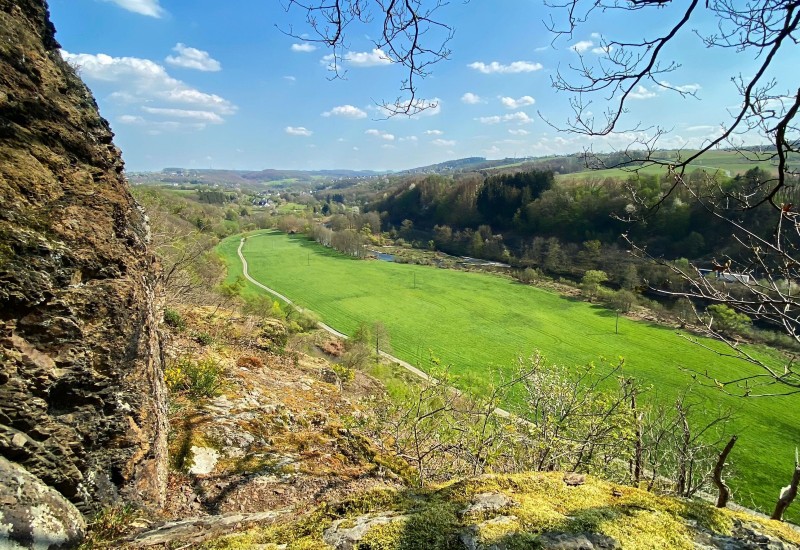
(82, 401)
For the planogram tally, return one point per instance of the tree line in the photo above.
(533, 204)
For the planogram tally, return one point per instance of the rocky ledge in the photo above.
(82, 400)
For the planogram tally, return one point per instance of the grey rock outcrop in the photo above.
(485, 503)
(82, 398)
(33, 515)
(347, 535)
(577, 541)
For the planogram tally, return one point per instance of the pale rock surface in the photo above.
(33, 515)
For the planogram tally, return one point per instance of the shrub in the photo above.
(591, 282)
(197, 379)
(726, 320)
(357, 357)
(344, 373)
(528, 275)
(332, 347)
(264, 306)
(110, 524)
(273, 337)
(301, 321)
(621, 300)
(173, 319)
(203, 338)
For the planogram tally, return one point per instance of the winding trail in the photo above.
(417, 372)
(406, 365)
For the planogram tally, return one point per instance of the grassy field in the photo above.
(729, 163)
(475, 321)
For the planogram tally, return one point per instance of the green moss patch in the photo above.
(538, 503)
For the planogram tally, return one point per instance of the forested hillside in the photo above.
(518, 215)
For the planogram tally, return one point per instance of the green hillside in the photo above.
(474, 321)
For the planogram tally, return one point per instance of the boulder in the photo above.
(346, 534)
(33, 515)
(577, 541)
(486, 503)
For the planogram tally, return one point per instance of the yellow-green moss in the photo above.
(308, 543)
(387, 536)
(543, 502)
(645, 530)
(495, 530)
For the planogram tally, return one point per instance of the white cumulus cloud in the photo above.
(305, 47)
(439, 142)
(151, 8)
(144, 81)
(581, 46)
(433, 132)
(518, 132)
(375, 58)
(192, 58)
(497, 68)
(471, 99)
(686, 88)
(512, 103)
(200, 116)
(383, 135)
(298, 131)
(600, 50)
(520, 117)
(368, 59)
(642, 93)
(345, 111)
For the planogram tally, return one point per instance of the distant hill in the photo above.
(247, 178)
(468, 164)
(570, 167)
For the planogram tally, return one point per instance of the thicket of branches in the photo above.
(763, 32)
(583, 420)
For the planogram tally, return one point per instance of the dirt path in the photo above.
(414, 370)
(408, 366)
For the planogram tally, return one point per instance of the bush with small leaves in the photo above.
(109, 524)
(345, 374)
(528, 275)
(203, 338)
(273, 337)
(173, 319)
(726, 320)
(197, 379)
(301, 321)
(621, 300)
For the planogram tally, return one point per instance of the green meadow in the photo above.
(478, 323)
(729, 163)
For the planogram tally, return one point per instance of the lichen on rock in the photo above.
(33, 515)
(82, 400)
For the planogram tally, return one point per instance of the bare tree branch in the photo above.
(411, 35)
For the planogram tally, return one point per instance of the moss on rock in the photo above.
(541, 507)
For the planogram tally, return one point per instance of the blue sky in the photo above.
(216, 84)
